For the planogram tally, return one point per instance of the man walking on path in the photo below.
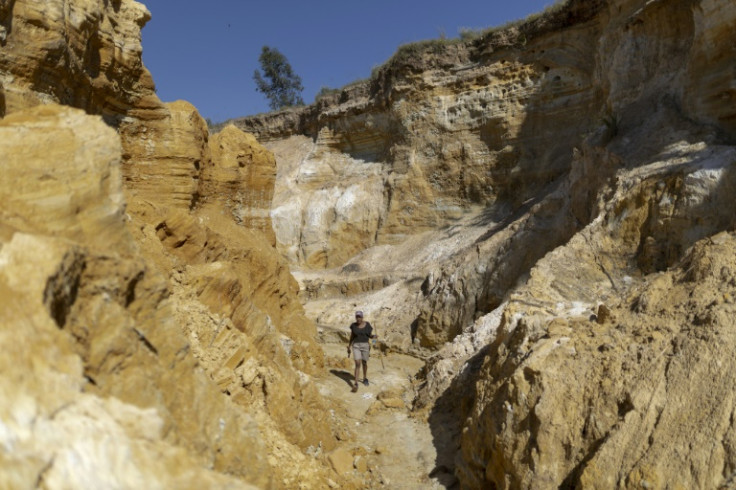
(361, 332)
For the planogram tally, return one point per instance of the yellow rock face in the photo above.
(260, 336)
(164, 155)
(57, 185)
(240, 179)
(583, 317)
(171, 319)
(92, 319)
(556, 200)
(83, 53)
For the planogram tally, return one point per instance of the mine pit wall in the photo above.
(482, 125)
(607, 162)
(641, 166)
(81, 54)
(165, 298)
(500, 123)
(556, 399)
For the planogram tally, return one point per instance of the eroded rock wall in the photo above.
(574, 178)
(478, 133)
(240, 179)
(579, 380)
(164, 152)
(445, 133)
(85, 54)
(537, 379)
(166, 323)
(490, 132)
(94, 324)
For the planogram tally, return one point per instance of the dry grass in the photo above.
(508, 34)
(328, 91)
(514, 33)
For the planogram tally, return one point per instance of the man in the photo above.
(360, 334)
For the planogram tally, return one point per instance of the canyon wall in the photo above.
(545, 212)
(154, 335)
(549, 210)
(441, 141)
(478, 134)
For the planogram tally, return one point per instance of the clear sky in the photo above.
(206, 52)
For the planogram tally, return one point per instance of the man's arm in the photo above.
(350, 342)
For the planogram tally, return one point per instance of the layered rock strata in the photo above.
(436, 141)
(94, 335)
(536, 374)
(181, 342)
(574, 178)
(485, 132)
(572, 175)
(241, 179)
(164, 153)
(82, 54)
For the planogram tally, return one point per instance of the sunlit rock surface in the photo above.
(556, 220)
(185, 356)
(240, 179)
(89, 328)
(544, 213)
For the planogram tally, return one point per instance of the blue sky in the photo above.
(206, 52)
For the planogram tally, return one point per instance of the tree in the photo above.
(285, 86)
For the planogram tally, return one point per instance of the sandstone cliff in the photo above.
(480, 133)
(82, 54)
(155, 336)
(93, 348)
(545, 210)
(529, 197)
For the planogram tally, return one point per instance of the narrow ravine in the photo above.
(385, 442)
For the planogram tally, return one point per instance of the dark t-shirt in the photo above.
(361, 334)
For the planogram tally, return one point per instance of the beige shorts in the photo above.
(361, 351)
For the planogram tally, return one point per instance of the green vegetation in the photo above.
(558, 6)
(359, 81)
(284, 87)
(470, 34)
(434, 46)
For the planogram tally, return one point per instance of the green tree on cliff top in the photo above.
(285, 86)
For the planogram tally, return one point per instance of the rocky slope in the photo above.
(545, 207)
(154, 335)
(432, 141)
(97, 370)
(546, 211)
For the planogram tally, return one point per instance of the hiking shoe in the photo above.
(365, 381)
(355, 388)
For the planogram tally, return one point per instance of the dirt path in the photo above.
(392, 449)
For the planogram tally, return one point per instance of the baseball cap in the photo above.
(359, 313)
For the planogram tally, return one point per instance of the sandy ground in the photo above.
(397, 447)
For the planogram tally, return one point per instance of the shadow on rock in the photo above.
(445, 420)
(344, 375)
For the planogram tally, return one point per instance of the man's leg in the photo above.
(357, 370)
(365, 370)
